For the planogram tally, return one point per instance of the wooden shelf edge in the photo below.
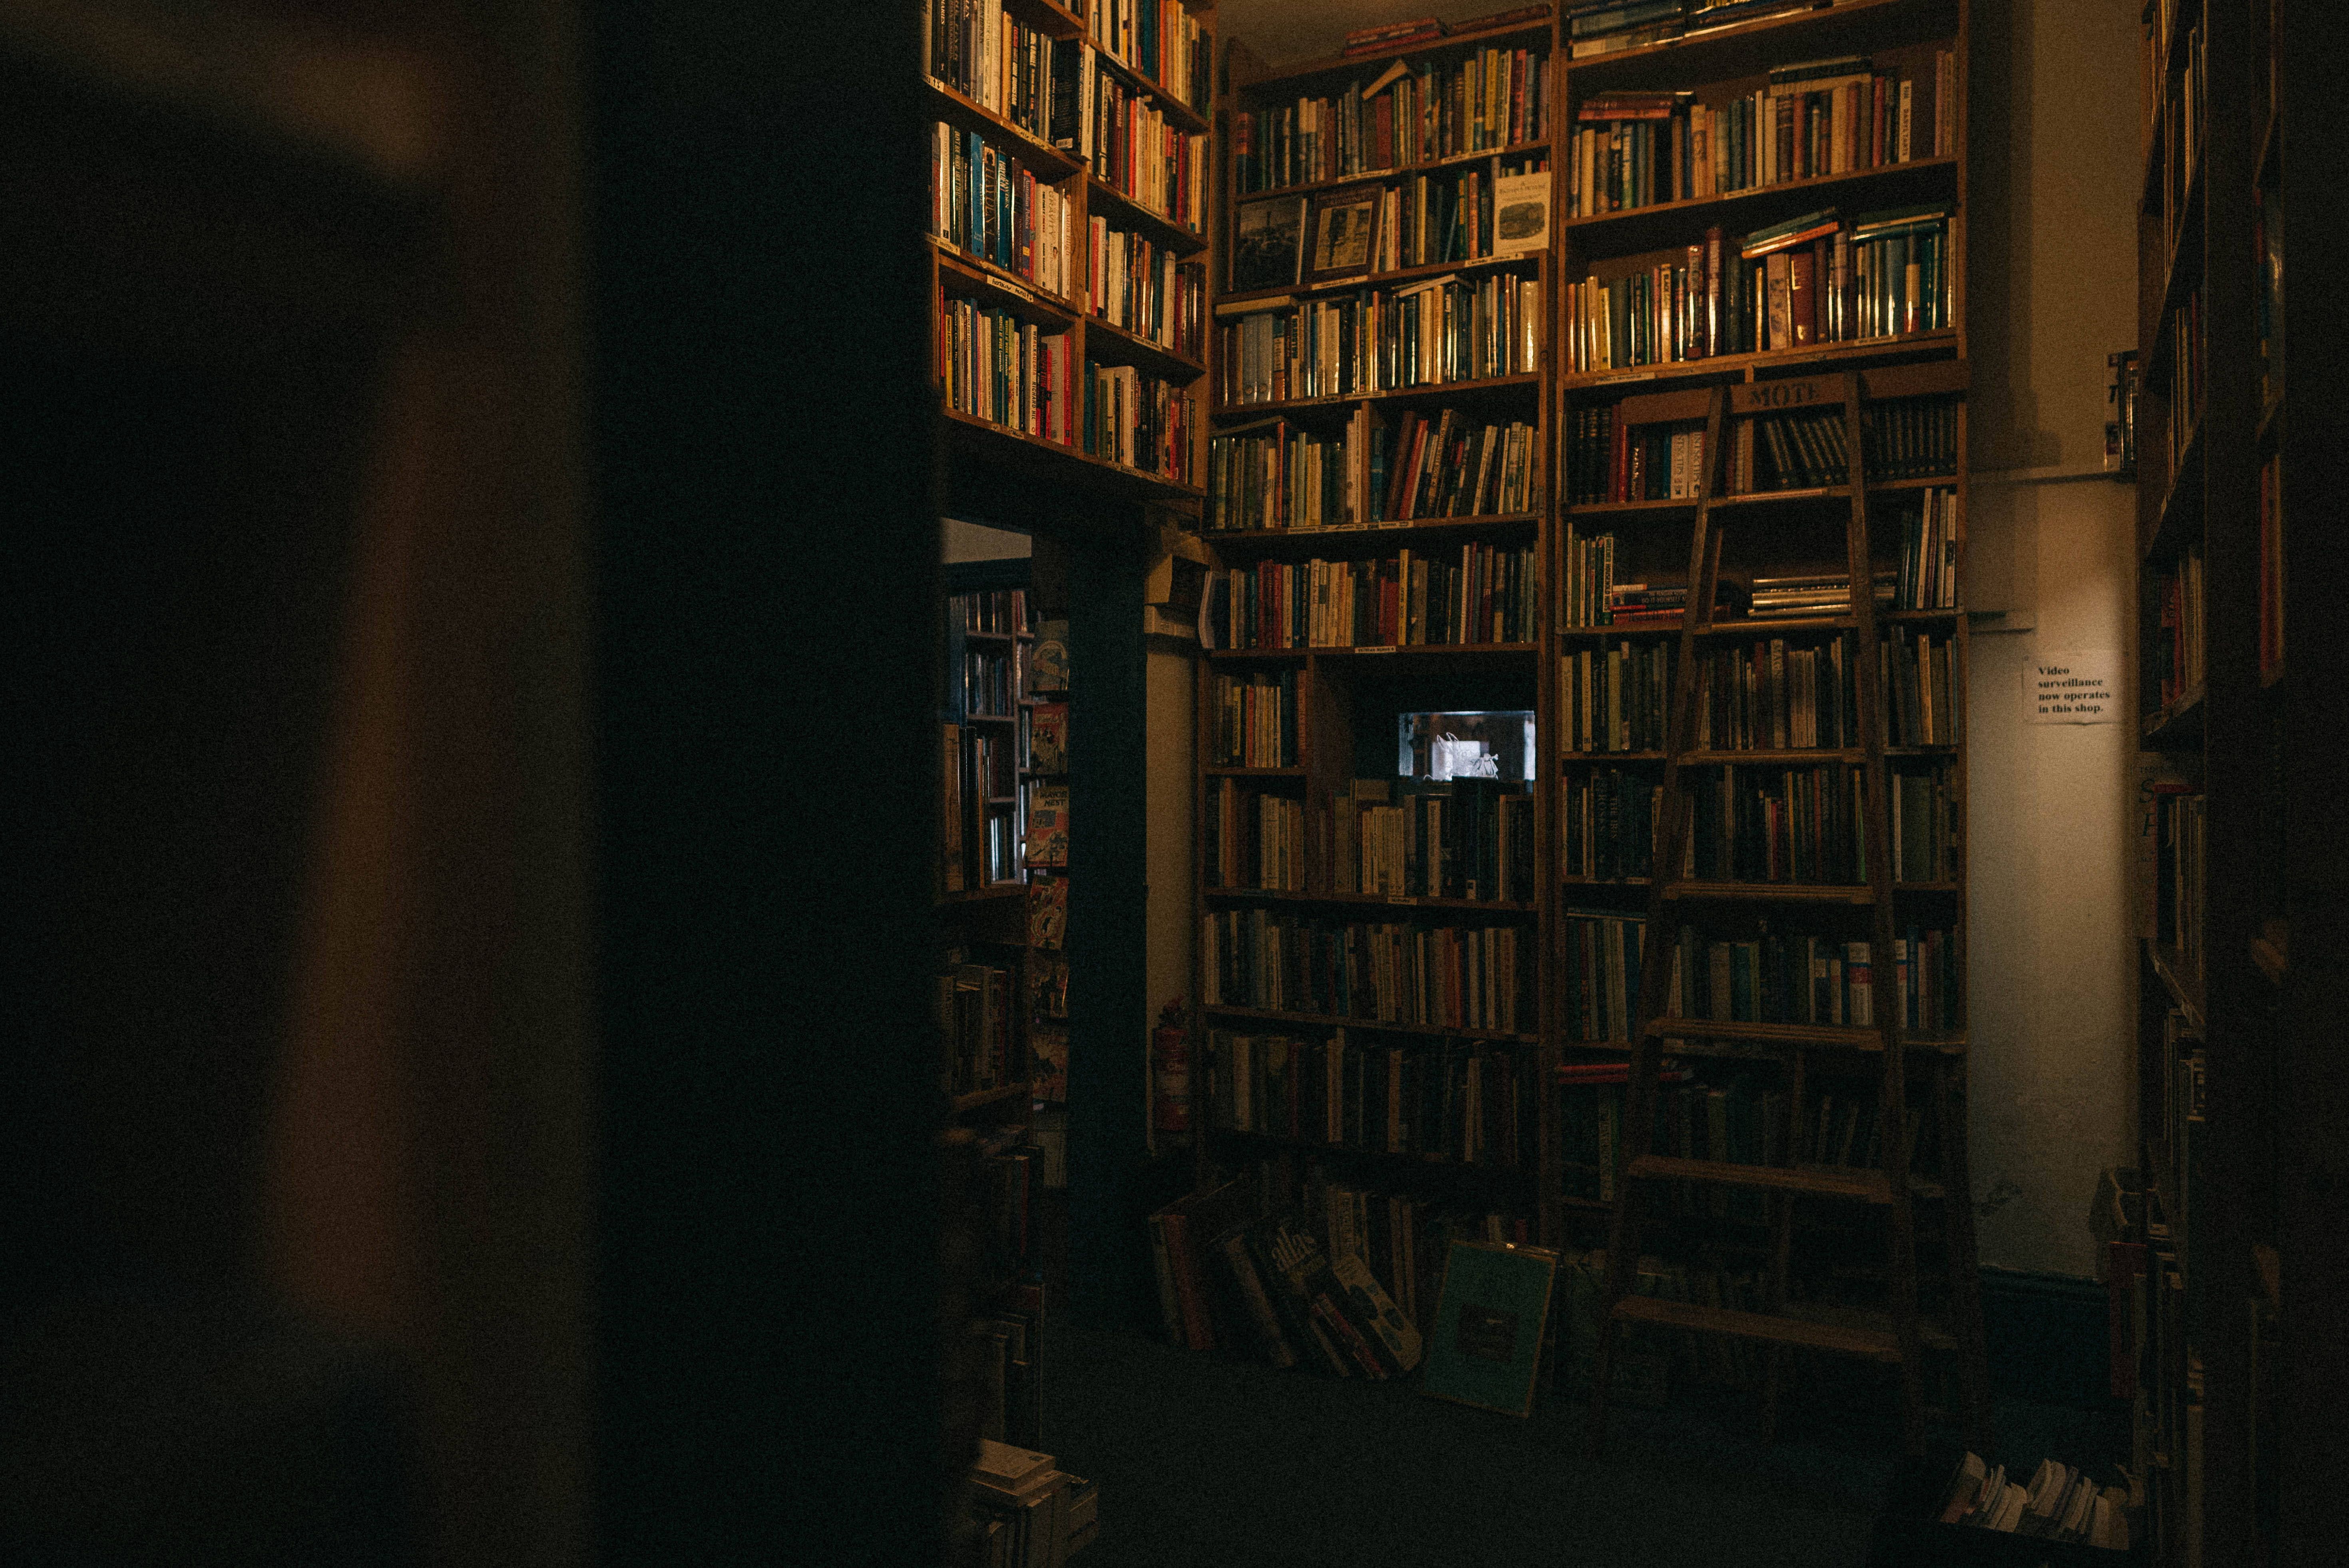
(1316, 536)
(1327, 1021)
(1403, 171)
(1914, 167)
(1729, 364)
(1436, 390)
(1061, 165)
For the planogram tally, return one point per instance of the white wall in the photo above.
(2052, 962)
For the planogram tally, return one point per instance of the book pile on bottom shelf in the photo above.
(1026, 1511)
(1299, 1262)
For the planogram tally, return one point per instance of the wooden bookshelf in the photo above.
(2240, 712)
(1080, 329)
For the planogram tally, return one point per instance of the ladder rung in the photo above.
(1931, 1333)
(1826, 1180)
(1848, 1036)
(1822, 1181)
(1774, 893)
(1873, 1344)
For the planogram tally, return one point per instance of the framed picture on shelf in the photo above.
(1269, 245)
(1345, 233)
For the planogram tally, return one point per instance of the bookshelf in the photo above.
(1069, 228)
(1714, 180)
(2240, 726)
(1396, 1092)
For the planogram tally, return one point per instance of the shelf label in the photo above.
(1401, 898)
(2073, 687)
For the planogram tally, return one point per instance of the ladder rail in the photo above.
(1655, 963)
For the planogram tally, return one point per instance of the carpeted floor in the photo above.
(1205, 1460)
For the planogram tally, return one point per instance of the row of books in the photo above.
(995, 613)
(1777, 697)
(979, 48)
(1253, 720)
(1460, 838)
(1607, 828)
(1806, 596)
(1612, 699)
(1482, 594)
(1787, 826)
(975, 1027)
(1595, 27)
(1815, 118)
(1775, 977)
(1253, 837)
(1409, 114)
(1733, 1118)
(2178, 650)
(990, 683)
(989, 205)
(2185, 110)
(996, 367)
(1611, 462)
(2059, 1504)
(1140, 421)
(1277, 475)
(1158, 40)
(1147, 289)
(1423, 333)
(1007, 1346)
(1460, 214)
(1419, 976)
(1141, 155)
(1471, 1103)
(1885, 274)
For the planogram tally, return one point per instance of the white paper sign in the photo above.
(2073, 687)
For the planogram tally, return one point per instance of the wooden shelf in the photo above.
(1273, 298)
(1403, 533)
(1377, 901)
(1730, 50)
(1408, 651)
(1771, 892)
(1874, 1345)
(1816, 1180)
(1433, 391)
(973, 1101)
(1119, 205)
(1179, 115)
(981, 279)
(1463, 160)
(1150, 354)
(1747, 367)
(1001, 442)
(1420, 1157)
(1370, 61)
(1631, 230)
(1324, 1020)
(1043, 160)
(993, 893)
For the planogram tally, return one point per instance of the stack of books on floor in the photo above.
(2060, 1504)
(1028, 1513)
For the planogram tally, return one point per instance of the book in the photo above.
(1047, 825)
(1048, 911)
(1521, 214)
(1047, 737)
(1268, 243)
(1491, 1318)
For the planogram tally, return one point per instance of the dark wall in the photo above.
(766, 528)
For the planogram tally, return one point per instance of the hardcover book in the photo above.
(1047, 737)
(1490, 1317)
(1521, 209)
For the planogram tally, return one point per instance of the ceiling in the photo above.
(1280, 31)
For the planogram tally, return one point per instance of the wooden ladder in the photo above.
(1901, 1340)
